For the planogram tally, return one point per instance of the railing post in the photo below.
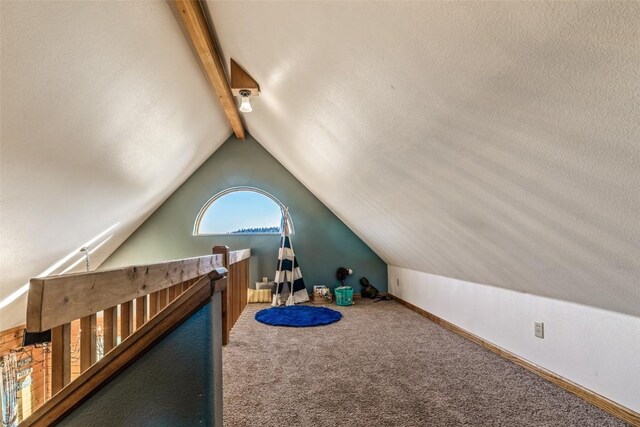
(162, 298)
(245, 284)
(88, 345)
(126, 319)
(141, 311)
(173, 292)
(225, 297)
(60, 357)
(153, 304)
(110, 326)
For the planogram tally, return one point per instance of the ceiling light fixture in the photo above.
(245, 105)
(243, 85)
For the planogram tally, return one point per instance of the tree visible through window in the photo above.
(240, 210)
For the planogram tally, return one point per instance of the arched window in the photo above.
(240, 210)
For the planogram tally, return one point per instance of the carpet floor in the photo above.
(383, 365)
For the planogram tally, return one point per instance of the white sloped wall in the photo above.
(104, 112)
(495, 142)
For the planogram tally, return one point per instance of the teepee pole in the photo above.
(274, 303)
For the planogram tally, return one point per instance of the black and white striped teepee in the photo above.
(289, 283)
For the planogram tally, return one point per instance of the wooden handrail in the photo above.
(57, 300)
(195, 297)
(239, 255)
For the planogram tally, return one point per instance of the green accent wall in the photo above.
(321, 241)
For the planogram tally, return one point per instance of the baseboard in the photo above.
(607, 405)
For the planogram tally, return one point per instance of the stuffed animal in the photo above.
(342, 273)
(370, 291)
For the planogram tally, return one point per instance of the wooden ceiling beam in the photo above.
(201, 38)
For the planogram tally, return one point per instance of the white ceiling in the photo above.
(492, 142)
(104, 113)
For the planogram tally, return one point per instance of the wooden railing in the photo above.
(124, 296)
(234, 297)
(96, 313)
(197, 295)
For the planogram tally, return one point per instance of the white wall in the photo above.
(595, 348)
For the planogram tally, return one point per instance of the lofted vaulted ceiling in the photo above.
(492, 142)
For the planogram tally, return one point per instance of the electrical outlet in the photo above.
(397, 282)
(539, 330)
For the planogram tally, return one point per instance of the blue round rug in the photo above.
(298, 316)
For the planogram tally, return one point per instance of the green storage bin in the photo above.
(344, 295)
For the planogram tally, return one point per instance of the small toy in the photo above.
(342, 273)
(370, 291)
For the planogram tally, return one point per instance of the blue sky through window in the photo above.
(241, 210)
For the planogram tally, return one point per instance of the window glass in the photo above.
(241, 211)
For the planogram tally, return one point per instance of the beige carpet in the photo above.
(383, 365)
